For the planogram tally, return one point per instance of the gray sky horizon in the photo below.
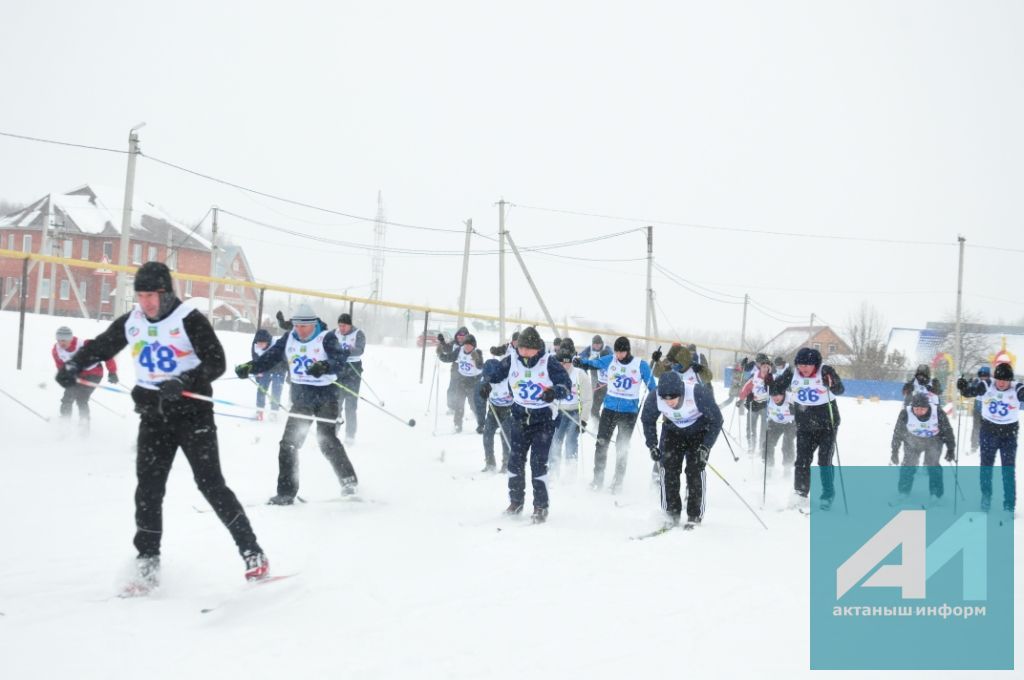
(897, 122)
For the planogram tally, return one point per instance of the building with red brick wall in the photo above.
(821, 338)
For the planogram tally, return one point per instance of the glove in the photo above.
(950, 456)
(497, 350)
(243, 370)
(440, 338)
(171, 389)
(318, 368)
(67, 376)
(112, 378)
(548, 395)
(656, 356)
(655, 453)
(485, 390)
(583, 424)
(703, 453)
(895, 457)
(576, 362)
(280, 316)
(961, 383)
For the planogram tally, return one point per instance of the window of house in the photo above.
(83, 290)
(817, 346)
(228, 288)
(234, 265)
(85, 249)
(152, 254)
(68, 247)
(108, 251)
(188, 288)
(26, 243)
(10, 241)
(105, 291)
(65, 289)
(137, 253)
(13, 283)
(44, 290)
(832, 349)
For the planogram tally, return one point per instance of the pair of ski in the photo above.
(299, 501)
(136, 589)
(687, 526)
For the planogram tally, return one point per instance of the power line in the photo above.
(742, 230)
(671, 277)
(61, 143)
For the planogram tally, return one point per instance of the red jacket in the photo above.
(95, 369)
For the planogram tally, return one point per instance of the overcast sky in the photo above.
(886, 120)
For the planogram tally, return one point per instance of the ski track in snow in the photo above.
(427, 581)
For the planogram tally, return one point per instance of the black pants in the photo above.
(809, 440)
(599, 394)
(913, 447)
(757, 418)
(295, 431)
(349, 400)
(466, 390)
(610, 420)
(78, 394)
(497, 421)
(158, 441)
(679, 446)
(787, 433)
(975, 429)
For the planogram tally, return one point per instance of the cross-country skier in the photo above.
(65, 347)
(814, 388)
(174, 349)
(353, 341)
(922, 383)
(573, 413)
(537, 380)
(755, 395)
(922, 428)
(467, 364)
(625, 374)
(497, 398)
(781, 425)
(272, 380)
(976, 419)
(598, 377)
(1000, 410)
(691, 422)
(314, 360)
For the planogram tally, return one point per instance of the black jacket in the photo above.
(199, 379)
(307, 396)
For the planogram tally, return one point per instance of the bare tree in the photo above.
(865, 329)
(9, 207)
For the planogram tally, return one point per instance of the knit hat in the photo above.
(153, 276)
(304, 314)
(762, 358)
(920, 400)
(780, 361)
(64, 333)
(463, 331)
(621, 344)
(565, 355)
(470, 339)
(670, 385)
(984, 372)
(808, 357)
(1003, 372)
(345, 318)
(263, 335)
(597, 340)
(529, 338)
(923, 370)
(515, 336)
(568, 344)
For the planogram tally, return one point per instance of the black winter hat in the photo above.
(780, 362)
(597, 340)
(1003, 372)
(263, 335)
(808, 357)
(923, 370)
(762, 358)
(153, 276)
(920, 400)
(515, 336)
(565, 355)
(557, 342)
(568, 344)
(469, 340)
(621, 344)
(529, 338)
(345, 318)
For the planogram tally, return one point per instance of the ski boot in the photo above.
(257, 567)
(514, 508)
(146, 578)
(539, 516)
(281, 499)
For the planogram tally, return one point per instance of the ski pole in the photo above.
(500, 426)
(764, 484)
(368, 385)
(578, 423)
(411, 422)
(735, 458)
(107, 408)
(430, 391)
(300, 416)
(956, 456)
(835, 443)
(124, 391)
(25, 406)
(264, 390)
(753, 512)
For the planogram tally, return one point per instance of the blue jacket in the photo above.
(496, 371)
(263, 335)
(306, 396)
(589, 354)
(710, 420)
(620, 404)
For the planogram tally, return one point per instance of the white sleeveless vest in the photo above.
(928, 428)
(301, 355)
(161, 350)
(781, 413)
(65, 355)
(465, 365)
(347, 342)
(527, 384)
(501, 395)
(810, 391)
(1001, 407)
(624, 380)
(686, 414)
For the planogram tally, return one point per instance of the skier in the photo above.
(353, 341)
(467, 364)
(271, 380)
(625, 374)
(815, 387)
(448, 352)
(681, 360)
(174, 349)
(976, 419)
(780, 426)
(922, 428)
(780, 367)
(1000, 410)
(691, 422)
(314, 360)
(598, 376)
(536, 379)
(507, 349)
(922, 383)
(573, 413)
(497, 397)
(63, 350)
(755, 395)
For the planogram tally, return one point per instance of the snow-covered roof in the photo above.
(203, 305)
(921, 345)
(96, 210)
(790, 339)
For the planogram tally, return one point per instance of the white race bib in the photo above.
(161, 350)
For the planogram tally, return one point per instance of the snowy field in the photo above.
(424, 579)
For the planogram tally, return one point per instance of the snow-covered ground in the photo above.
(425, 579)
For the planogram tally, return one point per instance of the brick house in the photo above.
(84, 224)
(821, 338)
